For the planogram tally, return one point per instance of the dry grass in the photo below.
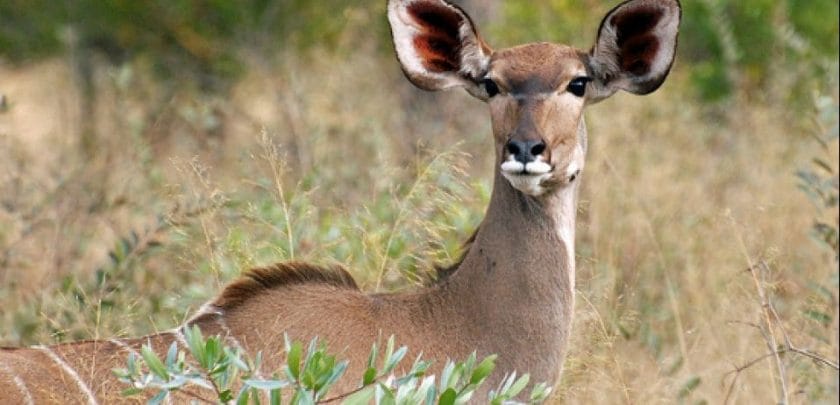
(677, 207)
(680, 201)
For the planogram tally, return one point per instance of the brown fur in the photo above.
(443, 272)
(281, 275)
(534, 68)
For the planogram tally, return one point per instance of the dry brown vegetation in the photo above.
(690, 215)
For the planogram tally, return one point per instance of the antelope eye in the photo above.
(490, 87)
(578, 86)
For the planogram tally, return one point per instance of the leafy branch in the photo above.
(227, 375)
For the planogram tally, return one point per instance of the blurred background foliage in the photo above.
(205, 40)
(729, 43)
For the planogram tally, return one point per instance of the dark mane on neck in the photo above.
(287, 274)
(281, 275)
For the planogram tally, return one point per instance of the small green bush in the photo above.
(309, 376)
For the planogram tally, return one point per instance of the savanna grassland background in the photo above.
(151, 151)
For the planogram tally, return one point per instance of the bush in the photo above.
(309, 376)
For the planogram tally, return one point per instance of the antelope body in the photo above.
(513, 292)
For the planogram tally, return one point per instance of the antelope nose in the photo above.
(525, 151)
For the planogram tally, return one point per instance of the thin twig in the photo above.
(815, 357)
(774, 321)
(197, 397)
(769, 336)
(739, 369)
(347, 394)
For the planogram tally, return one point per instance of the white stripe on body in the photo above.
(125, 347)
(207, 309)
(21, 386)
(91, 400)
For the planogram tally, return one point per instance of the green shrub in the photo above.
(309, 376)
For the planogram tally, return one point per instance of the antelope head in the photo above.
(536, 92)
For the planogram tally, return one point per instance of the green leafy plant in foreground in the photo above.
(308, 377)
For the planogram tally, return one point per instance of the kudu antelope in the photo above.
(512, 293)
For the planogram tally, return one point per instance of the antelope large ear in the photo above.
(635, 49)
(437, 44)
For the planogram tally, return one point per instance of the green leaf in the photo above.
(311, 351)
(293, 359)
(266, 384)
(469, 364)
(673, 368)
(310, 368)
(507, 382)
(237, 360)
(195, 342)
(154, 363)
(255, 396)
(213, 351)
(176, 382)
(374, 353)
(446, 375)
(132, 363)
(818, 316)
(518, 386)
(394, 360)
(431, 392)
(128, 392)
(483, 369)
(363, 397)
(389, 350)
(384, 395)
(275, 397)
(540, 392)
(257, 363)
(120, 373)
(287, 344)
(369, 377)
(689, 387)
(448, 397)
(243, 397)
(336, 373)
(158, 398)
(171, 354)
(305, 398)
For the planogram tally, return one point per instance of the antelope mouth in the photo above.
(517, 168)
(528, 178)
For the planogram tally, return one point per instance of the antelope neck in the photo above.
(522, 256)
